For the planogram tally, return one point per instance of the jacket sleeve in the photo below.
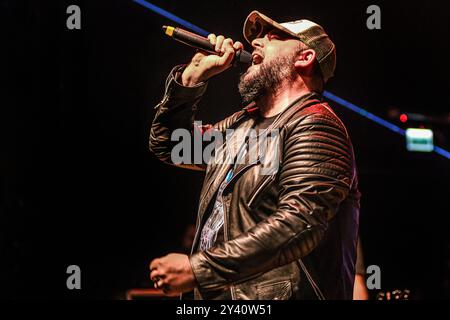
(315, 177)
(176, 111)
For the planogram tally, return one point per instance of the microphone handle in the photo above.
(202, 43)
(194, 40)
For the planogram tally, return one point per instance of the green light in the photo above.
(420, 140)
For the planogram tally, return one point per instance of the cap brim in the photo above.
(257, 25)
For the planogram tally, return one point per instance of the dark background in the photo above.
(79, 186)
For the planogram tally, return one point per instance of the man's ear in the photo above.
(305, 59)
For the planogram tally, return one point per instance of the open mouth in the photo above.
(256, 58)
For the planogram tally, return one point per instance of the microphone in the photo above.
(202, 43)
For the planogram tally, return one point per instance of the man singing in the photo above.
(288, 233)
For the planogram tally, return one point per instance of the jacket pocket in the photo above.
(258, 190)
(274, 290)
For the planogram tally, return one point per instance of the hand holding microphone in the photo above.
(217, 55)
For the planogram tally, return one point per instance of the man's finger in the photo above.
(238, 46)
(212, 38)
(219, 42)
(155, 274)
(227, 45)
(227, 57)
(154, 264)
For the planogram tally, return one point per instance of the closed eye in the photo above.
(272, 36)
(277, 35)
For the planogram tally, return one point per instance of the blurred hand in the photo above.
(172, 274)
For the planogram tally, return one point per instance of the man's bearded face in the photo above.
(265, 77)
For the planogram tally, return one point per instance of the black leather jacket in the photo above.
(288, 235)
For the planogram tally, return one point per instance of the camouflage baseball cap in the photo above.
(311, 34)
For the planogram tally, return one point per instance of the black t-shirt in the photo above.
(263, 123)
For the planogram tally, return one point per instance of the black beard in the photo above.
(267, 79)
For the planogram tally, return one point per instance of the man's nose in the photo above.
(257, 42)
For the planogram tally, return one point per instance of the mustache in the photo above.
(259, 52)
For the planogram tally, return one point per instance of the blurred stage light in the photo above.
(419, 140)
(172, 17)
(403, 117)
(364, 113)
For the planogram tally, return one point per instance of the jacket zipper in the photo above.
(313, 284)
(225, 235)
(260, 187)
